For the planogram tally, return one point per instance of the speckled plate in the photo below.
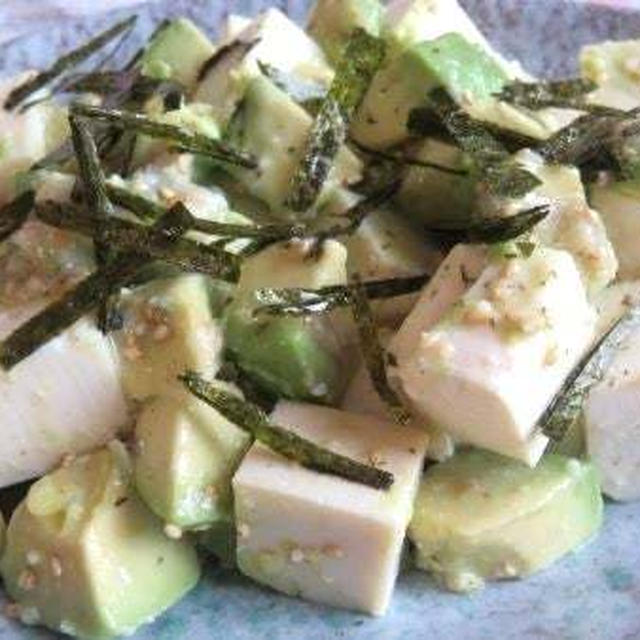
(591, 595)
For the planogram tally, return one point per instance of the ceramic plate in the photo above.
(592, 595)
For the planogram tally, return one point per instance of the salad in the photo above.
(311, 303)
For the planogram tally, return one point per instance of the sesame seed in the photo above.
(297, 556)
(34, 558)
(173, 531)
(56, 566)
(161, 333)
(27, 580)
(333, 551)
(12, 610)
(244, 530)
(67, 460)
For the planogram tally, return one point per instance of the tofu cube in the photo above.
(318, 536)
(485, 370)
(612, 412)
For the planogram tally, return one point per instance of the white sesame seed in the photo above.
(244, 530)
(173, 531)
(34, 558)
(56, 567)
(27, 580)
(297, 556)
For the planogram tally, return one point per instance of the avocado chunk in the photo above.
(177, 51)
(479, 516)
(168, 328)
(450, 61)
(433, 196)
(332, 22)
(219, 540)
(85, 557)
(302, 358)
(274, 129)
(186, 455)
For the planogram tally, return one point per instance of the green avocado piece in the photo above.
(300, 358)
(85, 557)
(220, 541)
(177, 51)
(434, 196)
(464, 69)
(332, 22)
(186, 455)
(480, 516)
(274, 128)
(168, 328)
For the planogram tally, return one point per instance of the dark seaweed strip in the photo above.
(253, 420)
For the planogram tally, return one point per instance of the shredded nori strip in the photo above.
(563, 94)
(404, 160)
(15, 213)
(101, 209)
(493, 230)
(126, 236)
(306, 93)
(423, 122)
(68, 61)
(299, 302)
(362, 57)
(374, 354)
(229, 53)
(185, 140)
(253, 420)
(82, 298)
(566, 406)
(502, 175)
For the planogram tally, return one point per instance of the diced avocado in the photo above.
(186, 455)
(194, 117)
(479, 516)
(387, 246)
(177, 51)
(430, 195)
(615, 68)
(220, 541)
(332, 21)
(85, 557)
(274, 129)
(450, 61)
(408, 22)
(619, 205)
(303, 358)
(168, 328)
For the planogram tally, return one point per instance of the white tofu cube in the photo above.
(612, 409)
(64, 399)
(318, 536)
(612, 422)
(487, 370)
(275, 40)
